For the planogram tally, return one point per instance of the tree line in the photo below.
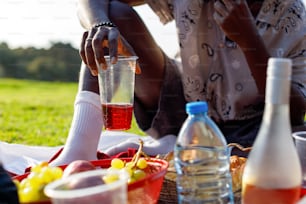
(60, 62)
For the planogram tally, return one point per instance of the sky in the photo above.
(37, 23)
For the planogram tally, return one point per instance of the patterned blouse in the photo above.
(214, 67)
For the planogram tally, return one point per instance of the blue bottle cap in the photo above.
(196, 107)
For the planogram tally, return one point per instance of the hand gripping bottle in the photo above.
(201, 159)
(273, 173)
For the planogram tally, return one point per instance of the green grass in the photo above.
(37, 113)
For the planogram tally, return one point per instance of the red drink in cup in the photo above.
(116, 84)
(117, 116)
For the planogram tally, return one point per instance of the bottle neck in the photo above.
(277, 90)
(200, 114)
(277, 101)
(275, 112)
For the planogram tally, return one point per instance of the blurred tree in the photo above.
(46, 69)
(1, 71)
(60, 62)
(7, 61)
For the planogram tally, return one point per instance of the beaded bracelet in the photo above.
(105, 24)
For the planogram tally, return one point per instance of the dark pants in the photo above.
(8, 191)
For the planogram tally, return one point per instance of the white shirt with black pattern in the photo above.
(214, 67)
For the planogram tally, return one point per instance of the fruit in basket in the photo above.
(78, 166)
(145, 190)
(137, 168)
(85, 182)
(30, 189)
(237, 165)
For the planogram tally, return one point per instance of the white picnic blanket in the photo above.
(17, 157)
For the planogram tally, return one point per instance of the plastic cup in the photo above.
(88, 187)
(300, 143)
(116, 84)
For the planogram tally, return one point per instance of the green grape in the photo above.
(24, 183)
(109, 178)
(117, 163)
(57, 172)
(139, 174)
(45, 175)
(44, 163)
(131, 180)
(38, 167)
(34, 181)
(129, 170)
(29, 194)
(129, 165)
(134, 170)
(30, 189)
(142, 163)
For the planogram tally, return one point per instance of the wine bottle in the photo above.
(273, 172)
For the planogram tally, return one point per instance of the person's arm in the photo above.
(101, 32)
(238, 23)
(134, 2)
(92, 12)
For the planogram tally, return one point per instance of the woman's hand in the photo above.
(96, 39)
(236, 20)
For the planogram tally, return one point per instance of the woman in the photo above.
(224, 48)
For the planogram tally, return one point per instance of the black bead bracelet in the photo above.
(105, 24)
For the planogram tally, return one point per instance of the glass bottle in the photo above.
(273, 172)
(201, 159)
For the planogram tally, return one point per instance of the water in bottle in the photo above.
(202, 159)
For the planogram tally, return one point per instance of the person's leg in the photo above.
(86, 124)
(87, 121)
(8, 190)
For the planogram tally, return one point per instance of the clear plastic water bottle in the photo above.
(202, 159)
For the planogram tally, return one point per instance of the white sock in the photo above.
(85, 130)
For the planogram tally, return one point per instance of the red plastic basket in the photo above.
(146, 190)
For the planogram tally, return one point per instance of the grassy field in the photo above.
(37, 113)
